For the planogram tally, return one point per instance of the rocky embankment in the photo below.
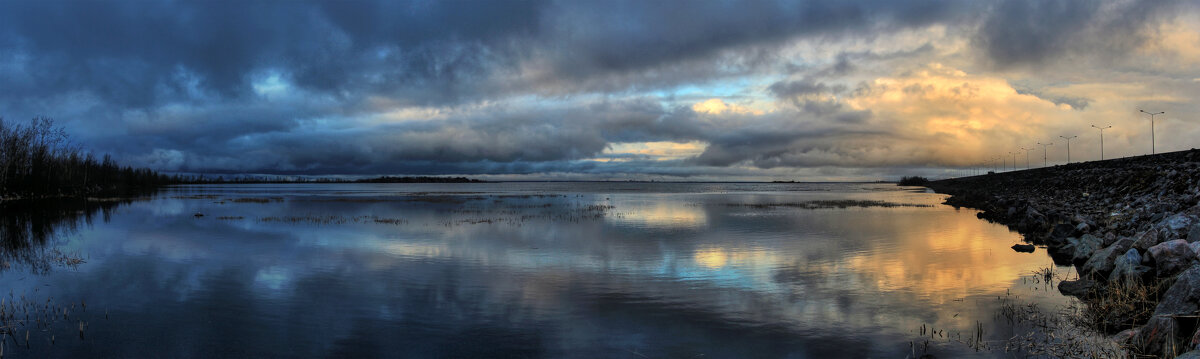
(1128, 225)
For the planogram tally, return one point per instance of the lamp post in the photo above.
(1152, 114)
(1045, 156)
(1014, 153)
(1068, 147)
(1026, 156)
(1102, 139)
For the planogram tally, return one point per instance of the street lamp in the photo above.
(1068, 147)
(1045, 157)
(1014, 153)
(1102, 139)
(1026, 156)
(1152, 114)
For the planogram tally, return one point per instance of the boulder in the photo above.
(1183, 298)
(1177, 223)
(1195, 354)
(1077, 288)
(1159, 335)
(1193, 235)
(1083, 228)
(1102, 262)
(1195, 247)
(1025, 248)
(1128, 268)
(1125, 337)
(1083, 247)
(1061, 231)
(1146, 239)
(1171, 257)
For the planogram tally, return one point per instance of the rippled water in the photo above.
(606, 270)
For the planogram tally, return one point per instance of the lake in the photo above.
(587, 270)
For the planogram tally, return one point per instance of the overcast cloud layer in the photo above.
(805, 90)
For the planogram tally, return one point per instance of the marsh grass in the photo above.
(331, 219)
(256, 200)
(22, 315)
(1122, 305)
(197, 196)
(1061, 332)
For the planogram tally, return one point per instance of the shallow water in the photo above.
(605, 270)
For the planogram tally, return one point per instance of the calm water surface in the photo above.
(589, 270)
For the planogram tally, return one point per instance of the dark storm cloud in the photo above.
(426, 51)
(1031, 33)
(511, 86)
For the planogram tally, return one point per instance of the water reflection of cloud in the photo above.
(664, 268)
(663, 213)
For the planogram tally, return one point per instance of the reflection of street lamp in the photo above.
(1045, 157)
(1102, 139)
(1152, 114)
(1068, 147)
(1026, 156)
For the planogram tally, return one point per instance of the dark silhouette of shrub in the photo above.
(913, 181)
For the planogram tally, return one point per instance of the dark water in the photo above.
(590, 270)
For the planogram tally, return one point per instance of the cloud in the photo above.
(1025, 33)
(613, 88)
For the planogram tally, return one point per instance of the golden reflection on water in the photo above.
(661, 214)
(961, 256)
(711, 257)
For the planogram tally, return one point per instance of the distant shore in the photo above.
(1131, 227)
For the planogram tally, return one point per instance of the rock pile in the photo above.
(1119, 221)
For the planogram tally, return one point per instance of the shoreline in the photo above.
(1129, 226)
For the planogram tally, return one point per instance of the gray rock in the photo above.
(1183, 298)
(1193, 235)
(1102, 262)
(1195, 248)
(1128, 268)
(1062, 230)
(1144, 240)
(1159, 335)
(1177, 222)
(1078, 288)
(1125, 336)
(1083, 228)
(1084, 247)
(1171, 257)
(1195, 354)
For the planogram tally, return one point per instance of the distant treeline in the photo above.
(38, 161)
(261, 179)
(389, 179)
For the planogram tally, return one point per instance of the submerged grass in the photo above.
(824, 204)
(256, 199)
(331, 219)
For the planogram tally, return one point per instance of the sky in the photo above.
(688, 90)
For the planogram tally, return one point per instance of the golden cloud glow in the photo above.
(954, 117)
(657, 150)
(715, 106)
